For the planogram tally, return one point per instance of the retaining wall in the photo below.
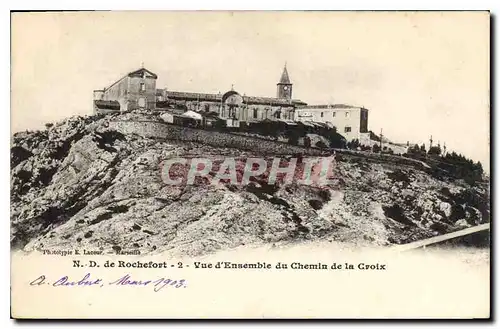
(153, 129)
(385, 158)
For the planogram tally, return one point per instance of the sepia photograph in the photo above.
(250, 164)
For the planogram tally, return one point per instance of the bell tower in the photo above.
(284, 86)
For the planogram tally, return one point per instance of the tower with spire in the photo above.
(284, 86)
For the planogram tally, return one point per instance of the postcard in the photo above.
(250, 165)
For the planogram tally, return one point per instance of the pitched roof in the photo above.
(298, 102)
(266, 101)
(219, 97)
(133, 74)
(193, 96)
(140, 71)
(287, 122)
(285, 79)
(212, 114)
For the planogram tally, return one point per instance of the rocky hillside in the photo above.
(81, 184)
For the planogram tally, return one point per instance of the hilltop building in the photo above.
(236, 108)
(137, 90)
(350, 121)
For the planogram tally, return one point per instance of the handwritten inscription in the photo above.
(87, 280)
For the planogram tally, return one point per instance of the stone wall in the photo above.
(367, 141)
(154, 129)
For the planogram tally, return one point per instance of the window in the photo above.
(347, 129)
(321, 114)
(143, 87)
(347, 114)
(333, 114)
(255, 113)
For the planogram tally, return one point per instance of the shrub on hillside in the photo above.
(415, 149)
(337, 141)
(353, 145)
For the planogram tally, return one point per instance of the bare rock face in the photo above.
(81, 184)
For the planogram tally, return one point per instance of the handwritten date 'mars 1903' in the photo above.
(126, 280)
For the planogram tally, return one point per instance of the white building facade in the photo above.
(350, 121)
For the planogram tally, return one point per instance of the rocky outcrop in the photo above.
(82, 183)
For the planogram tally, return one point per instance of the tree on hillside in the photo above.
(321, 145)
(461, 167)
(479, 167)
(422, 148)
(435, 150)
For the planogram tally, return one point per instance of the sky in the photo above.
(419, 74)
